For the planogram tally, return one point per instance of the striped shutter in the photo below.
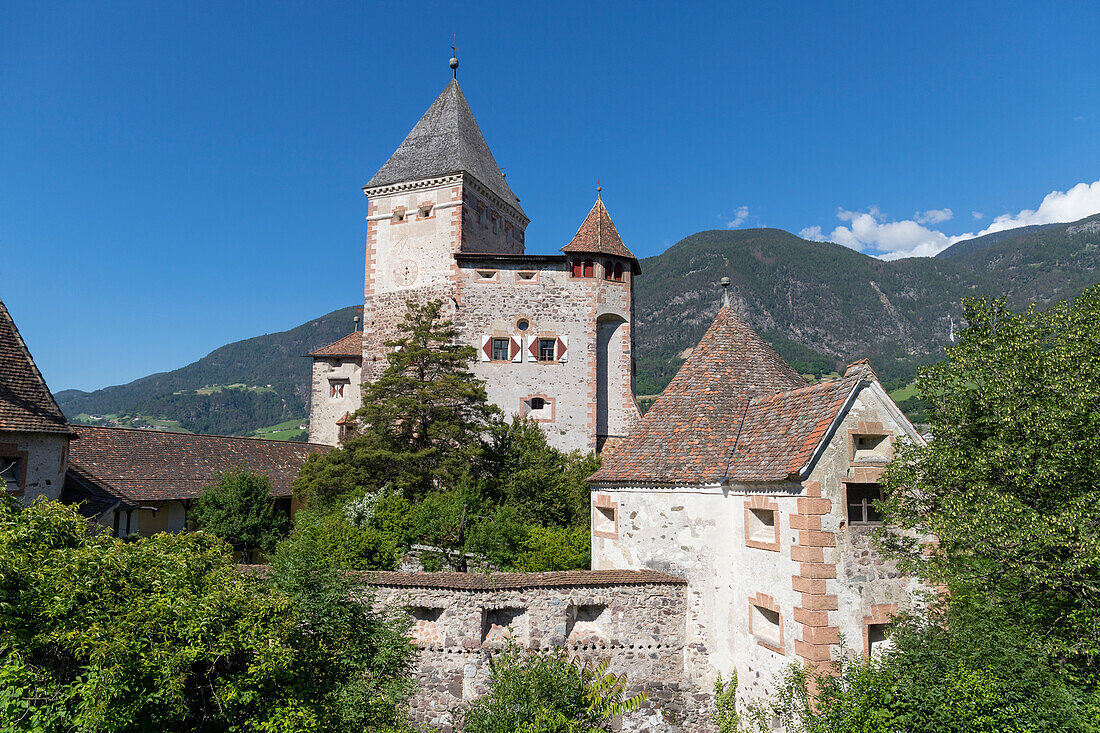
(515, 350)
(563, 348)
(533, 349)
(486, 353)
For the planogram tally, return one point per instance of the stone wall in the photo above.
(636, 620)
(43, 459)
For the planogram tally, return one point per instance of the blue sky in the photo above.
(177, 176)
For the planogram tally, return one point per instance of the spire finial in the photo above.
(725, 283)
(598, 189)
(454, 62)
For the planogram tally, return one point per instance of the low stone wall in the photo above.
(635, 619)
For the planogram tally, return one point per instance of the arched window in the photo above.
(589, 268)
(608, 270)
(619, 271)
(576, 267)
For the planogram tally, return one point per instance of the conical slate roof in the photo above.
(689, 434)
(598, 234)
(446, 140)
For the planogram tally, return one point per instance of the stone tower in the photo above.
(552, 332)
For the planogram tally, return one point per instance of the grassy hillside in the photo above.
(819, 304)
(236, 389)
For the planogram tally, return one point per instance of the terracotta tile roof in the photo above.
(350, 345)
(519, 581)
(598, 234)
(151, 465)
(780, 432)
(690, 432)
(26, 404)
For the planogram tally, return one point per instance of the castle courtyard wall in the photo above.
(636, 621)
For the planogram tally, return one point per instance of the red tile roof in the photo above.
(519, 581)
(350, 345)
(781, 431)
(598, 234)
(690, 432)
(26, 404)
(151, 465)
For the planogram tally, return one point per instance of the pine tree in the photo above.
(425, 423)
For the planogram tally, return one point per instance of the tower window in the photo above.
(578, 268)
(608, 270)
(619, 271)
(589, 268)
(500, 350)
(399, 214)
(336, 388)
(538, 403)
(424, 211)
(861, 503)
(547, 349)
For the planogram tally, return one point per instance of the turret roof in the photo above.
(689, 434)
(446, 140)
(598, 234)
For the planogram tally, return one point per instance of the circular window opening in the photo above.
(523, 324)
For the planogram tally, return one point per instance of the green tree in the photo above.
(547, 692)
(166, 633)
(1010, 485)
(240, 509)
(958, 670)
(425, 422)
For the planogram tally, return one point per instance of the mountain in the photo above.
(819, 304)
(823, 304)
(972, 245)
(235, 389)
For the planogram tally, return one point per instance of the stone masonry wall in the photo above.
(44, 458)
(634, 620)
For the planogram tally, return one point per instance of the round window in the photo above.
(523, 324)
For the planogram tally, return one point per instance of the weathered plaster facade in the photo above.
(41, 460)
(777, 573)
(337, 390)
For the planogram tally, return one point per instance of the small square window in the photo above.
(336, 388)
(525, 275)
(761, 525)
(398, 215)
(424, 211)
(878, 638)
(604, 520)
(547, 349)
(537, 403)
(861, 503)
(766, 626)
(486, 274)
(500, 350)
(10, 469)
(873, 448)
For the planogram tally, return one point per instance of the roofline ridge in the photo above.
(199, 435)
(64, 421)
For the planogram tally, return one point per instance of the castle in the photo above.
(552, 332)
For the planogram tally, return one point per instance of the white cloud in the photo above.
(933, 216)
(740, 214)
(870, 230)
